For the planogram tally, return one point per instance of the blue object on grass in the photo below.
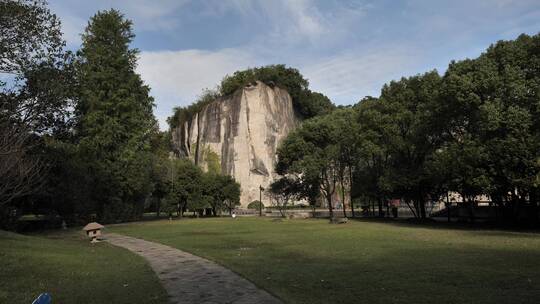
(43, 298)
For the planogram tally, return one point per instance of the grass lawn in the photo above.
(72, 270)
(311, 261)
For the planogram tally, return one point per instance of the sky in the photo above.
(346, 49)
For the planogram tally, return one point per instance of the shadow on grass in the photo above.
(464, 226)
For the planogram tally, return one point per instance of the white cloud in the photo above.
(72, 27)
(306, 18)
(149, 15)
(302, 23)
(286, 20)
(346, 49)
(178, 77)
(146, 15)
(348, 77)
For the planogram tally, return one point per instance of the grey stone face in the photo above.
(244, 131)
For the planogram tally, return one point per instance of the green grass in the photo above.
(72, 270)
(311, 261)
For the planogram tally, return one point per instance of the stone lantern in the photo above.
(93, 231)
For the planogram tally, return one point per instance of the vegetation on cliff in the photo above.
(306, 103)
(183, 114)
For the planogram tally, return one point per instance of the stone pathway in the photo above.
(191, 279)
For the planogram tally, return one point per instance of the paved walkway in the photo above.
(190, 279)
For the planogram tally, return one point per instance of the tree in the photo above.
(415, 136)
(30, 35)
(22, 173)
(35, 95)
(461, 167)
(492, 102)
(230, 193)
(310, 156)
(346, 139)
(37, 68)
(185, 185)
(222, 191)
(114, 117)
(282, 191)
(375, 133)
(159, 175)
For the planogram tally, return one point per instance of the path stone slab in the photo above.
(191, 279)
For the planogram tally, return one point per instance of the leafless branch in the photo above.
(21, 173)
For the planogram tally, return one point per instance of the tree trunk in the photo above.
(379, 201)
(350, 193)
(448, 207)
(282, 209)
(158, 209)
(471, 210)
(515, 208)
(414, 212)
(496, 206)
(533, 200)
(330, 207)
(422, 204)
(182, 208)
(343, 197)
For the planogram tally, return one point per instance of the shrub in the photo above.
(255, 205)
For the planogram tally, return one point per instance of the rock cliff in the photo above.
(238, 135)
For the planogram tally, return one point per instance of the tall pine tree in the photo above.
(115, 119)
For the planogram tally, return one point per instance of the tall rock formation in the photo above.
(239, 135)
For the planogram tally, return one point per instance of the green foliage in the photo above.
(322, 154)
(256, 205)
(35, 100)
(185, 183)
(306, 103)
(110, 160)
(115, 123)
(493, 123)
(309, 154)
(188, 187)
(413, 135)
(222, 192)
(282, 191)
(473, 131)
(31, 36)
(184, 114)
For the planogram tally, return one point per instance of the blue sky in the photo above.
(347, 49)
